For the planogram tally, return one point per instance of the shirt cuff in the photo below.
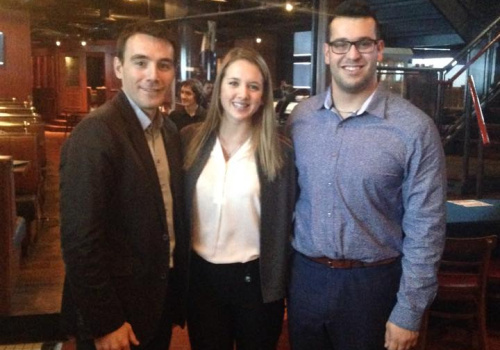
(406, 318)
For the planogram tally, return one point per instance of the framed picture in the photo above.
(2, 50)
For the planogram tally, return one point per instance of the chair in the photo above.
(70, 119)
(12, 233)
(493, 295)
(30, 186)
(462, 280)
(101, 95)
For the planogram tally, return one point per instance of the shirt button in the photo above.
(329, 215)
(248, 279)
(329, 184)
(165, 237)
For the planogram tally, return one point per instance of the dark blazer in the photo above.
(277, 200)
(113, 225)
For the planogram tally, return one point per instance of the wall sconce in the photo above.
(258, 40)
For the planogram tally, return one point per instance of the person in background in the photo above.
(370, 217)
(122, 235)
(192, 98)
(208, 88)
(285, 89)
(240, 191)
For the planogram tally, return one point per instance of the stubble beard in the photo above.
(357, 86)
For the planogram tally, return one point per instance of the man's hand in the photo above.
(397, 338)
(117, 340)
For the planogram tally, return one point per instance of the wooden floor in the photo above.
(37, 295)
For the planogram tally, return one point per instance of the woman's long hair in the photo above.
(264, 133)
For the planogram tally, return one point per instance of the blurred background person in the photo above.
(208, 87)
(240, 195)
(283, 90)
(192, 99)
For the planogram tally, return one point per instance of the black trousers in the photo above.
(225, 308)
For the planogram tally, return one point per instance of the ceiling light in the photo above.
(258, 40)
(58, 43)
(289, 7)
(84, 43)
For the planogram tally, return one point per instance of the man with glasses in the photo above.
(370, 217)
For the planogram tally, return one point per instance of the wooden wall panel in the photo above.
(16, 77)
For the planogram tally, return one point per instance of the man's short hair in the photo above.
(354, 9)
(147, 27)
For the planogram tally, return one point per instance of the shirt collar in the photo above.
(143, 117)
(375, 108)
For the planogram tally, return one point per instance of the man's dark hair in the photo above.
(354, 9)
(147, 27)
(197, 89)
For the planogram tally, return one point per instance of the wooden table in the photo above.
(20, 166)
(473, 218)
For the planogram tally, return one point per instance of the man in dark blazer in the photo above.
(122, 234)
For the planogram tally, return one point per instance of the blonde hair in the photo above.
(264, 133)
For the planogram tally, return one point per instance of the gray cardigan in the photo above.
(277, 199)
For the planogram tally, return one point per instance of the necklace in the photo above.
(229, 152)
(341, 111)
(345, 114)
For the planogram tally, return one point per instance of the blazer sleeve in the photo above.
(86, 180)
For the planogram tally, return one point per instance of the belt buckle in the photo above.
(340, 264)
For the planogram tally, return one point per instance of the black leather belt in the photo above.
(349, 263)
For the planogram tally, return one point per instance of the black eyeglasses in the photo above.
(343, 46)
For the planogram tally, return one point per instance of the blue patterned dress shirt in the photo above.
(372, 187)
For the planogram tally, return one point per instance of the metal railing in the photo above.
(436, 95)
(485, 139)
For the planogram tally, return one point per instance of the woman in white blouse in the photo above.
(240, 194)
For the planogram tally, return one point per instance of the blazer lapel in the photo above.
(140, 145)
(194, 172)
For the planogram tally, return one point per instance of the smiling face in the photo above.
(241, 91)
(147, 71)
(353, 72)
